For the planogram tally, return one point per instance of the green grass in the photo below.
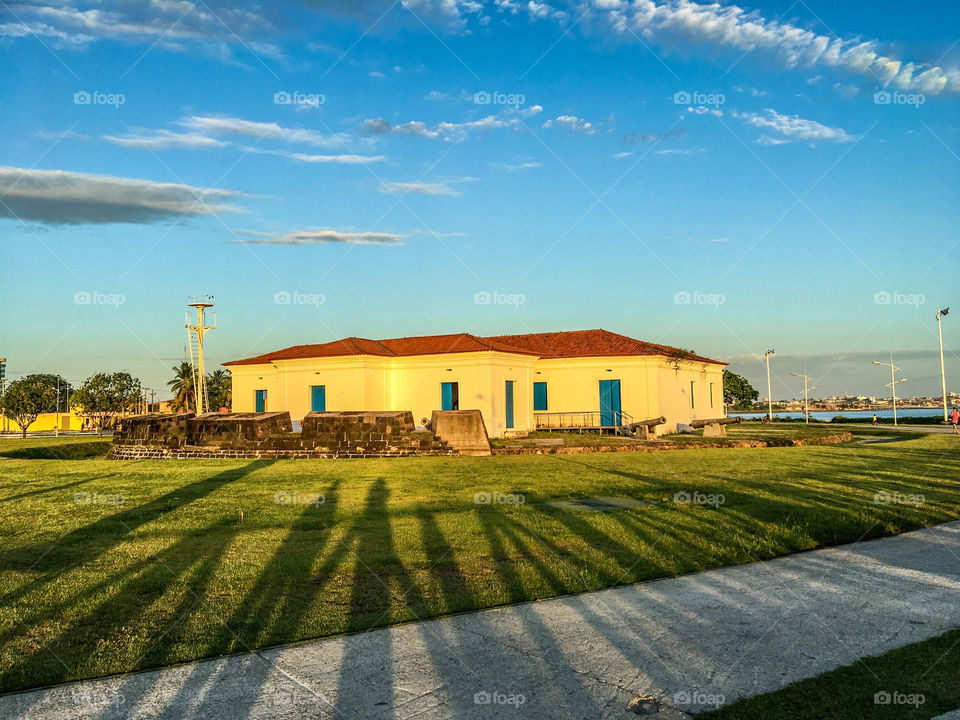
(159, 568)
(929, 669)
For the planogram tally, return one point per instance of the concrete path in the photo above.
(866, 427)
(687, 642)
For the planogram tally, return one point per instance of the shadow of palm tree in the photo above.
(188, 565)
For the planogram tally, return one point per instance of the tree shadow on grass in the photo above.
(32, 493)
(270, 613)
(382, 589)
(91, 541)
(189, 563)
(65, 451)
(286, 588)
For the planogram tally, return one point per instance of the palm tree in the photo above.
(184, 397)
(219, 390)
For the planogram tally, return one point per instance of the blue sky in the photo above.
(722, 178)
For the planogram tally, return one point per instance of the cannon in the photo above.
(643, 429)
(715, 427)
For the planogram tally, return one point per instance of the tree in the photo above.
(26, 398)
(103, 396)
(219, 389)
(59, 385)
(737, 391)
(184, 395)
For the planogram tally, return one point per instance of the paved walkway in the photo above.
(683, 641)
(866, 427)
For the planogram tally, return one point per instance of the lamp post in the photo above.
(806, 396)
(3, 381)
(56, 422)
(767, 355)
(943, 374)
(893, 383)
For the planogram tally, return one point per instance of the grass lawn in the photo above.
(110, 566)
(917, 681)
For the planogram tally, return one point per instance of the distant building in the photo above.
(518, 382)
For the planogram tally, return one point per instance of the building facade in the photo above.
(595, 378)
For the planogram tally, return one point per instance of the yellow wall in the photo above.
(649, 386)
(674, 381)
(354, 383)
(46, 422)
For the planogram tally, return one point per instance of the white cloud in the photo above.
(752, 91)
(542, 11)
(791, 128)
(70, 198)
(224, 125)
(624, 154)
(417, 188)
(165, 24)
(448, 14)
(704, 110)
(632, 138)
(321, 237)
(531, 111)
(522, 166)
(344, 159)
(164, 139)
(684, 22)
(674, 151)
(62, 135)
(572, 122)
(443, 130)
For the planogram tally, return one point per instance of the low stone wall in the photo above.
(270, 435)
(135, 452)
(226, 430)
(154, 430)
(238, 431)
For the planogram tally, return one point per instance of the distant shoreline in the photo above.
(887, 408)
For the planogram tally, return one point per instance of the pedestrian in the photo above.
(876, 420)
(954, 419)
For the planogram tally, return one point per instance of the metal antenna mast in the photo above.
(198, 330)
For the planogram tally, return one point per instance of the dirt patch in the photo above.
(654, 446)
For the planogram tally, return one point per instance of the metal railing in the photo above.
(582, 420)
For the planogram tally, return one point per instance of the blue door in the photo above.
(449, 396)
(261, 400)
(508, 403)
(318, 398)
(540, 396)
(610, 403)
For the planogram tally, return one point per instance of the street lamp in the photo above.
(806, 396)
(767, 355)
(893, 383)
(3, 375)
(943, 375)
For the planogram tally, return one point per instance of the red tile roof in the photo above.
(594, 343)
(579, 343)
(396, 347)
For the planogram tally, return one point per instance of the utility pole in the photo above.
(3, 385)
(943, 374)
(767, 354)
(893, 383)
(806, 397)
